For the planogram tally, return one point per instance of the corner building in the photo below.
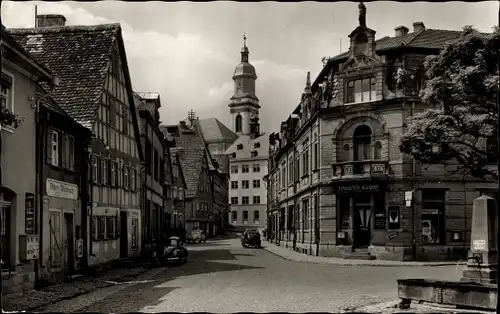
(338, 184)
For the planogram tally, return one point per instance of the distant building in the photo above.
(338, 183)
(195, 162)
(178, 194)
(96, 91)
(248, 155)
(157, 175)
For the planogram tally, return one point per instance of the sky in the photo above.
(187, 51)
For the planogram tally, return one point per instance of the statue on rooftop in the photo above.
(362, 14)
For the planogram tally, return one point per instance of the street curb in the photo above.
(340, 263)
(75, 295)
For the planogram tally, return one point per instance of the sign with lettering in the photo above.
(79, 248)
(358, 188)
(29, 214)
(479, 245)
(61, 189)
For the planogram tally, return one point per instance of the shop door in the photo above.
(123, 235)
(5, 228)
(68, 244)
(362, 221)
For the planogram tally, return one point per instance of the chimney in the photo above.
(401, 31)
(418, 27)
(50, 20)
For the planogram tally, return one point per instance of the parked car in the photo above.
(251, 238)
(173, 252)
(197, 236)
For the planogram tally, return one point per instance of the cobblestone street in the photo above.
(220, 276)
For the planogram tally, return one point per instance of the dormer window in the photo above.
(362, 90)
(239, 146)
(256, 145)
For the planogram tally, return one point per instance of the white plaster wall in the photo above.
(18, 154)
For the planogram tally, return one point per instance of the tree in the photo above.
(462, 88)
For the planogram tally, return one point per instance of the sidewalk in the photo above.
(289, 254)
(34, 299)
(392, 307)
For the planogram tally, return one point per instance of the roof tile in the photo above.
(79, 56)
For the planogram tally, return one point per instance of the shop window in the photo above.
(362, 143)
(393, 217)
(362, 90)
(343, 207)
(245, 216)
(291, 218)
(305, 214)
(379, 209)
(234, 215)
(433, 224)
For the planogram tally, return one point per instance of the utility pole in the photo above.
(498, 171)
(1, 183)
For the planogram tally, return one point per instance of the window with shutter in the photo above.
(95, 168)
(48, 146)
(105, 171)
(95, 228)
(133, 182)
(126, 183)
(102, 171)
(102, 227)
(64, 148)
(71, 153)
(55, 148)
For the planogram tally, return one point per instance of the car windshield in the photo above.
(171, 242)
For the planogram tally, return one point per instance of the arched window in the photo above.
(238, 123)
(362, 141)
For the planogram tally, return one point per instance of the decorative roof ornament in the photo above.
(244, 50)
(362, 14)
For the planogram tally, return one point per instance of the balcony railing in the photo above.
(361, 169)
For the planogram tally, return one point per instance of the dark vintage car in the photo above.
(251, 238)
(173, 252)
(197, 236)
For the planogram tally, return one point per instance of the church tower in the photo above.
(244, 105)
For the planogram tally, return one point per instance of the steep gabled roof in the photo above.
(213, 131)
(175, 153)
(79, 56)
(192, 155)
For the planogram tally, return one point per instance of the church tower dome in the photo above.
(244, 102)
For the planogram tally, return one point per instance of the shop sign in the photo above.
(358, 188)
(29, 214)
(61, 189)
(79, 248)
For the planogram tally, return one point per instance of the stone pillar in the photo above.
(482, 257)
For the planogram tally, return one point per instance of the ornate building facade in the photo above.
(338, 183)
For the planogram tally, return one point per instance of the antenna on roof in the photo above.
(36, 14)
